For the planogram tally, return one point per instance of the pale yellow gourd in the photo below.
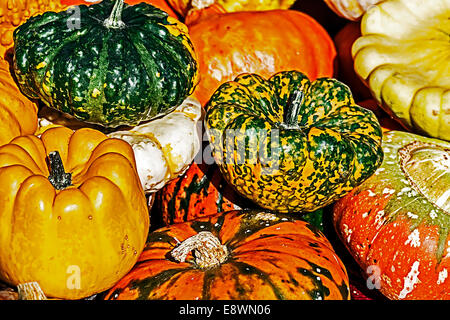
(404, 58)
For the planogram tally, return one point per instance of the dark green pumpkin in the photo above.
(117, 65)
(291, 145)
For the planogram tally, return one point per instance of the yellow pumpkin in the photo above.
(74, 220)
(18, 114)
(403, 55)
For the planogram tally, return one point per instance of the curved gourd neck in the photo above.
(115, 19)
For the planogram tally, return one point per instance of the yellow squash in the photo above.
(404, 57)
(74, 221)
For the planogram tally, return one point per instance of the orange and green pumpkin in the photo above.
(291, 145)
(18, 114)
(245, 255)
(396, 224)
(200, 191)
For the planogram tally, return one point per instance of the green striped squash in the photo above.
(108, 63)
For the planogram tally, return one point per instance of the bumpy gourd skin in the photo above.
(106, 75)
(311, 143)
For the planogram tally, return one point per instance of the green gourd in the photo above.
(291, 145)
(108, 63)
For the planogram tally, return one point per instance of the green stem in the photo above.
(293, 108)
(115, 19)
(58, 176)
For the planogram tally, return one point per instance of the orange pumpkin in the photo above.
(396, 224)
(18, 114)
(75, 220)
(201, 191)
(245, 255)
(262, 42)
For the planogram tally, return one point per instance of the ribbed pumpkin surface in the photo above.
(291, 145)
(114, 68)
(200, 191)
(269, 257)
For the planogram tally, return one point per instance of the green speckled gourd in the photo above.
(289, 144)
(108, 63)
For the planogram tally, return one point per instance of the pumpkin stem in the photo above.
(207, 250)
(293, 108)
(58, 176)
(115, 19)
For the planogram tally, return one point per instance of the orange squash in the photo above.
(263, 42)
(73, 214)
(18, 114)
(396, 224)
(201, 191)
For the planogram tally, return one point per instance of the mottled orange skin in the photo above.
(263, 42)
(18, 114)
(95, 228)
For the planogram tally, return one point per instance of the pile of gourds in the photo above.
(149, 147)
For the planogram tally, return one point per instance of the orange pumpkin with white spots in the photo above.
(396, 223)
